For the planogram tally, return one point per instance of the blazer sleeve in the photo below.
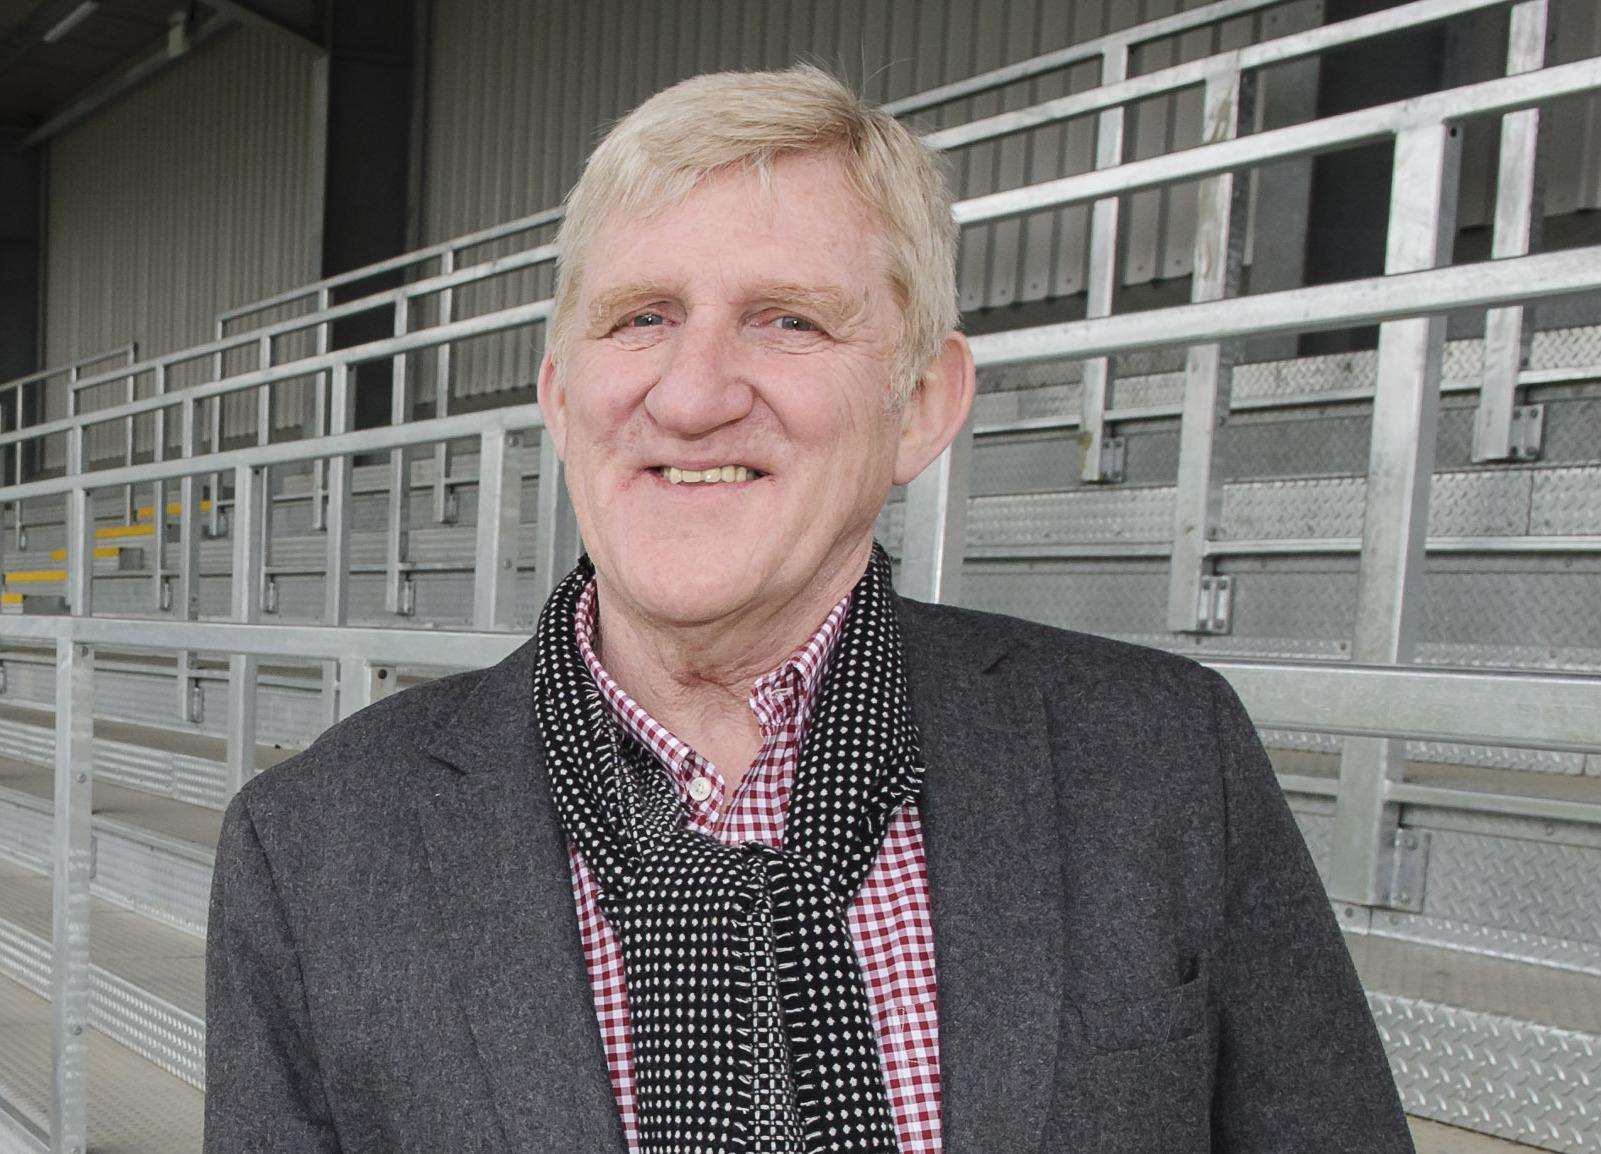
(263, 1090)
(1300, 1065)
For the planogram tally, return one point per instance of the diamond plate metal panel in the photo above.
(1566, 348)
(1570, 429)
(1528, 887)
(1304, 376)
(1090, 515)
(1131, 598)
(24, 834)
(1296, 605)
(1551, 606)
(1494, 1074)
(1566, 500)
(156, 883)
(1325, 507)
(172, 1038)
(1275, 445)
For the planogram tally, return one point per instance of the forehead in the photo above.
(805, 223)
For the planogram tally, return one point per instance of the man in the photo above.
(742, 851)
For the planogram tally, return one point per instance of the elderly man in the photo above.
(742, 851)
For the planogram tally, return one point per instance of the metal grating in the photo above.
(1495, 1074)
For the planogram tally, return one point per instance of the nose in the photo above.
(700, 387)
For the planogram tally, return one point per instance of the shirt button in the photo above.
(700, 789)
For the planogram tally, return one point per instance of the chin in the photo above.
(688, 579)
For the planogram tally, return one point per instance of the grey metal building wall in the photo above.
(192, 193)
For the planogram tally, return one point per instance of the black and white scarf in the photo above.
(751, 1025)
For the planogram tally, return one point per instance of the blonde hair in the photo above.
(658, 153)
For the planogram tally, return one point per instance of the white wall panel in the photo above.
(189, 195)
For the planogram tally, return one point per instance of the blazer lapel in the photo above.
(991, 833)
(505, 904)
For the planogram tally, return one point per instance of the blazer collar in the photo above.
(990, 828)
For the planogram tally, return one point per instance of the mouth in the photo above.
(713, 475)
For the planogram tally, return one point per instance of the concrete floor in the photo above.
(1433, 1138)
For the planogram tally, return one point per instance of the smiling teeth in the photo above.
(706, 476)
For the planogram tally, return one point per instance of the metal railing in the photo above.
(69, 372)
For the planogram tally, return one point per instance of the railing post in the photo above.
(246, 607)
(80, 533)
(336, 582)
(158, 500)
(214, 522)
(1517, 226)
(356, 688)
(128, 433)
(556, 543)
(443, 512)
(16, 471)
(320, 417)
(264, 437)
(186, 601)
(1192, 601)
(72, 856)
(1101, 284)
(499, 504)
(936, 523)
(395, 599)
(1406, 403)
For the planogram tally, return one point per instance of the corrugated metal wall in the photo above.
(519, 93)
(189, 195)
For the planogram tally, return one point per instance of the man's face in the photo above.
(742, 332)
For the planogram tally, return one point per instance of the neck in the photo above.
(696, 679)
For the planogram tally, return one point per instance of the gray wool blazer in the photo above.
(1133, 951)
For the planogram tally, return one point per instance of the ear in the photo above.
(552, 398)
(936, 409)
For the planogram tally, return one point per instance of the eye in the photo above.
(794, 324)
(644, 320)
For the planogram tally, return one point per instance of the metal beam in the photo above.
(152, 61)
(294, 28)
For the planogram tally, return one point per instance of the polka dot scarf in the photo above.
(751, 1025)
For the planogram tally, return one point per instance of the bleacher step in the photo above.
(134, 1106)
(147, 980)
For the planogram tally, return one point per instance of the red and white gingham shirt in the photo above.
(889, 918)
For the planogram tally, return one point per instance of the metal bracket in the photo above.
(1353, 918)
(166, 595)
(221, 529)
(1113, 452)
(1214, 606)
(94, 856)
(1409, 867)
(22, 539)
(408, 598)
(452, 508)
(269, 596)
(197, 702)
(1528, 432)
(2, 676)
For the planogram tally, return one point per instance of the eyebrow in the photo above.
(835, 307)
